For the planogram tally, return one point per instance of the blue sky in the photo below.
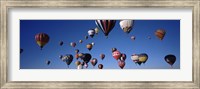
(74, 30)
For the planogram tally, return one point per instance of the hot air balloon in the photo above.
(76, 56)
(21, 50)
(102, 56)
(105, 25)
(68, 58)
(121, 64)
(80, 67)
(86, 37)
(132, 37)
(73, 44)
(143, 57)
(48, 62)
(123, 57)
(91, 33)
(80, 55)
(93, 43)
(100, 66)
(76, 50)
(86, 57)
(160, 33)
(77, 63)
(96, 30)
(126, 25)
(114, 49)
(89, 46)
(61, 43)
(42, 39)
(170, 59)
(116, 55)
(80, 41)
(135, 58)
(60, 56)
(94, 61)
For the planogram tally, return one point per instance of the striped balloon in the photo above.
(42, 39)
(105, 25)
(160, 33)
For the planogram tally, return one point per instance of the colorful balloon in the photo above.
(86, 57)
(42, 39)
(68, 58)
(91, 33)
(170, 59)
(89, 46)
(94, 61)
(105, 25)
(126, 25)
(135, 58)
(143, 57)
(96, 30)
(73, 44)
(102, 56)
(121, 64)
(160, 33)
(100, 66)
(123, 57)
(116, 55)
(77, 63)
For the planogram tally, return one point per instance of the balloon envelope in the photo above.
(170, 59)
(73, 44)
(102, 56)
(160, 33)
(89, 46)
(96, 30)
(116, 55)
(42, 39)
(105, 25)
(86, 57)
(94, 61)
(121, 64)
(48, 62)
(126, 25)
(143, 57)
(91, 33)
(100, 66)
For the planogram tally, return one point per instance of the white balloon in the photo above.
(126, 25)
(91, 32)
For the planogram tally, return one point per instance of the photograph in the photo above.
(99, 44)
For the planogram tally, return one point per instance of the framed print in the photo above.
(99, 44)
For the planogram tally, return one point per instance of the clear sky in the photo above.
(74, 30)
